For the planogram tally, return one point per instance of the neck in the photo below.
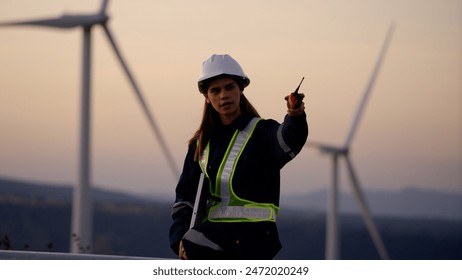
(228, 119)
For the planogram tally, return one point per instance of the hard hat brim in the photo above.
(203, 83)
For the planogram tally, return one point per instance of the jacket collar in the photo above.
(240, 122)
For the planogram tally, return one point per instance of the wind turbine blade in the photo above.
(369, 87)
(370, 225)
(325, 148)
(65, 21)
(104, 7)
(314, 144)
(144, 106)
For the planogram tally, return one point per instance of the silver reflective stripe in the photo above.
(282, 143)
(200, 239)
(180, 205)
(228, 169)
(243, 212)
(204, 159)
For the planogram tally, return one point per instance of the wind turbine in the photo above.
(81, 239)
(337, 152)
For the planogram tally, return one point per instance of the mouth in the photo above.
(226, 104)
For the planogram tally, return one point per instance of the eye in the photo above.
(230, 86)
(214, 90)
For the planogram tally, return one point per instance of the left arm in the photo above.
(293, 132)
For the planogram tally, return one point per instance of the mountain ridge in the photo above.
(411, 202)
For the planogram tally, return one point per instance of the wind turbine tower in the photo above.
(81, 231)
(338, 152)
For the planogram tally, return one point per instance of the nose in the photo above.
(224, 94)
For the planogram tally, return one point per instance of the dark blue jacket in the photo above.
(256, 178)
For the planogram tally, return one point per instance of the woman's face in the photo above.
(224, 94)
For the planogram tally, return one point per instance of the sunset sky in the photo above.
(411, 133)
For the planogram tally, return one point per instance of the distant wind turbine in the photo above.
(336, 152)
(81, 239)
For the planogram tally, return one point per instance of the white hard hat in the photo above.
(218, 65)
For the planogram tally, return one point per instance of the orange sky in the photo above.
(410, 135)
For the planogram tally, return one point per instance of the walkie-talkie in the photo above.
(295, 97)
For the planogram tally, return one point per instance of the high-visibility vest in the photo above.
(230, 207)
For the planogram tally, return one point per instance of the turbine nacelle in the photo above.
(68, 20)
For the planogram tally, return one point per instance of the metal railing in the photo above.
(34, 255)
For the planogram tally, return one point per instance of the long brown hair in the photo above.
(210, 119)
